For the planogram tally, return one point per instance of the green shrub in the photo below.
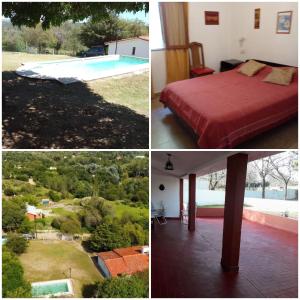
(16, 243)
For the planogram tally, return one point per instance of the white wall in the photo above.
(158, 70)
(264, 43)
(215, 38)
(125, 47)
(236, 21)
(103, 267)
(169, 197)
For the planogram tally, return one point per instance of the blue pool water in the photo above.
(49, 289)
(122, 62)
(98, 63)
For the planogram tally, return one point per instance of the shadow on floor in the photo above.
(47, 114)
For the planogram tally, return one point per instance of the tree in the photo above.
(55, 13)
(26, 226)
(13, 215)
(215, 178)
(70, 226)
(82, 189)
(264, 168)
(16, 243)
(13, 283)
(54, 196)
(9, 192)
(108, 236)
(93, 34)
(110, 29)
(283, 168)
(123, 287)
(136, 233)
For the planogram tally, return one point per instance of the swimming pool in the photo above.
(53, 288)
(84, 69)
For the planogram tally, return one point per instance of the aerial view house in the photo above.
(33, 213)
(137, 46)
(124, 261)
(213, 251)
(81, 230)
(215, 75)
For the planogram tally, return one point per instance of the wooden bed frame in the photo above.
(190, 130)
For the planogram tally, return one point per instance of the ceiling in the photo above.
(197, 162)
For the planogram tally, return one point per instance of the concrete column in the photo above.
(180, 197)
(233, 211)
(192, 202)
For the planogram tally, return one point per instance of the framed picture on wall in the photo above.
(211, 17)
(284, 22)
(257, 18)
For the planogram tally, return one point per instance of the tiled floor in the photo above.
(167, 132)
(187, 264)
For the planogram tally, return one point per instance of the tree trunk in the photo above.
(263, 192)
(285, 191)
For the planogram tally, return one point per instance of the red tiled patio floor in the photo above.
(187, 264)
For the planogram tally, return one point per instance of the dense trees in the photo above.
(13, 283)
(13, 215)
(114, 176)
(86, 181)
(110, 29)
(108, 236)
(55, 13)
(135, 286)
(40, 28)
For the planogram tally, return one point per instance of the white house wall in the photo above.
(169, 198)
(125, 47)
(103, 267)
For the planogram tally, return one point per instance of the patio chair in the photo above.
(159, 215)
(184, 217)
(197, 64)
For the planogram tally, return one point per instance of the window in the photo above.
(156, 37)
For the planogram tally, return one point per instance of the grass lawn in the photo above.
(118, 207)
(105, 113)
(50, 260)
(121, 208)
(25, 188)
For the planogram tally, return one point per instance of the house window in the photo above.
(133, 51)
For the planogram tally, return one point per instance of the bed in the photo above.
(228, 108)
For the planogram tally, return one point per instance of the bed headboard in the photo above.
(272, 64)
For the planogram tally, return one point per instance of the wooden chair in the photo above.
(197, 64)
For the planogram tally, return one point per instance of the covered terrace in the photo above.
(216, 257)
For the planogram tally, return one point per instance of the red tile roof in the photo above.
(125, 260)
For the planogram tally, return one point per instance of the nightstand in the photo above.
(227, 65)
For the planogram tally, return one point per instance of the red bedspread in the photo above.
(228, 108)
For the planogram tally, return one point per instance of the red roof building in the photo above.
(124, 261)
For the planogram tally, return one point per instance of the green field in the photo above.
(50, 260)
(118, 206)
(24, 188)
